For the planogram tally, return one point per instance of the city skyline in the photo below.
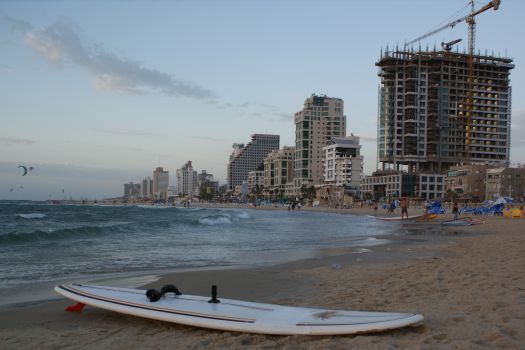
(85, 92)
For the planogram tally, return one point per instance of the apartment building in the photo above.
(343, 162)
(278, 169)
(321, 119)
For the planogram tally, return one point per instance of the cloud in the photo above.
(129, 132)
(5, 68)
(206, 138)
(285, 116)
(6, 141)
(61, 44)
(16, 25)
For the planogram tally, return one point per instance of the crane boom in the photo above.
(468, 18)
(437, 30)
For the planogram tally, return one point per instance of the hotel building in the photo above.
(250, 157)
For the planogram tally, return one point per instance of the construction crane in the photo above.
(471, 21)
(448, 46)
(468, 18)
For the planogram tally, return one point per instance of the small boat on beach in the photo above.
(398, 218)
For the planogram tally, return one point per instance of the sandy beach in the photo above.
(468, 283)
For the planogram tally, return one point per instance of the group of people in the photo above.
(404, 204)
(294, 204)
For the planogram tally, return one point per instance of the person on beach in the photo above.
(404, 208)
(427, 208)
(455, 210)
(392, 207)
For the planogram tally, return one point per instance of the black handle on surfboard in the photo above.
(214, 299)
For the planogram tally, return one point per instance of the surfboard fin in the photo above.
(214, 299)
(75, 308)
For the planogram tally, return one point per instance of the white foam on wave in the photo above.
(361, 250)
(217, 220)
(154, 206)
(242, 215)
(32, 216)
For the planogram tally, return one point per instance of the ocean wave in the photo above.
(32, 216)
(216, 220)
(154, 206)
(63, 233)
(361, 250)
(242, 215)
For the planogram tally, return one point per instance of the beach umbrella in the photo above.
(488, 203)
(500, 200)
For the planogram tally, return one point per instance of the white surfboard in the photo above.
(397, 218)
(235, 315)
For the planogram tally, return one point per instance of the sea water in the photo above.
(41, 242)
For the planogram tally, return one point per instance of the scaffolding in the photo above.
(426, 122)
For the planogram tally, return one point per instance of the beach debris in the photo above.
(336, 266)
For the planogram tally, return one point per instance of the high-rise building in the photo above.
(160, 182)
(237, 148)
(425, 123)
(321, 119)
(343, 162)
(131, 190)
(203, 177)
(278, 169)
(187, 180)
(206, 185)
(249, 157)
(147, 187)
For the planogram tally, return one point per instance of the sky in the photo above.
(94, 94)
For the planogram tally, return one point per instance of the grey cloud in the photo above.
(6, 141)
(16, 25)
(61, 44)
(6, 68)
(285, 116)
(206, 138)
(130, 132)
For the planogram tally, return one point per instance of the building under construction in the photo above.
(425, 120)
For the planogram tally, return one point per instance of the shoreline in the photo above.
(41, 292)
(467, 283)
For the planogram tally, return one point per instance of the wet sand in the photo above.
(468, 283)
